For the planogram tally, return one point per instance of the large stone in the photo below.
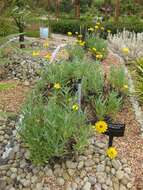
(122, 187)
(71, 165)
(100, 168)
(87, 186)
(89, 163)
(120, 174)
(60, 181)
(116, 164)
(92, 180)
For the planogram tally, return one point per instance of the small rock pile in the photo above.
(92, 170)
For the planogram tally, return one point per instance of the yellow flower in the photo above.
(69, 33)
(98, 23)
(101, 126)
(125, 50)
(57, 86)
(94, 49)
(35, 53)
(109, 31)
(91, 29)
(126, 86)
(111, 152)
(46, 45)
(99, 56)
(102, 28)
(82, 43)
(48, 56)
(76, 33)
(80, 35)
(96, 27)
(75, 107)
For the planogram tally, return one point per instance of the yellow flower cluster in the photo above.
(46, 44)
(91, 29)
(100, 127)
(111, 152)
(75, 107)
(57, 86)
(81, 43)
(69, 33)
(48, 56)
(99, 55)
(125, 50)
(36, 53)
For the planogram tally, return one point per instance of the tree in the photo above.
(20, 11)
(117, 10)
(77, 8)
(57, 8)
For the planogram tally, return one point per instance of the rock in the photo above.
(104, 187)
(122, 187)
(27, 155)
(60, 181)
(120, 174)
(130, 185)
(83, 174)
(13, 170)
(100, 144)
(25, 183)
(116, 164)
(127, 170)
(125, 179)
(49, 172)
(74, 186)
(58, 172)
(101, 177)
(34, 179)
(87, 186)
(92, 180)
(113, 171)
(89, 163)
(80, 165)
(12, 188)
(71, 172)
(97, 187)
(116, 186)
(39, 186)
(107, 169)
(2, 184)
(71, 165)
(100, 168)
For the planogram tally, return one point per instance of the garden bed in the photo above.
(90, 170)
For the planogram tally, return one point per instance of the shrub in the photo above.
(6, 27)
(53, 130)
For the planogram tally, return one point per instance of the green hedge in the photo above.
(62, 26)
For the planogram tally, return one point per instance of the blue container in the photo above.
(44, 32)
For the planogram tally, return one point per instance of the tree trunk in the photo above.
(57, 8)
(21, 38)
(117, 10)
(77, 8)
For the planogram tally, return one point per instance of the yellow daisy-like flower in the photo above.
(109, 31)
(57, 86)
(96, 27)
(76, 33)
(99, 56)
(69, 33)
(35, 53)
(48, 56)
(82, 43)
(125, 50)
(125, 86)
(111, 152)
(94, 49)
(80, 35)
(102, 28)
(75, 107)
(101, 126)
(98, 23)
(46, 45)
(91, 29)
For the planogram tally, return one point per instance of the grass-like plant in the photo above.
(53, 131)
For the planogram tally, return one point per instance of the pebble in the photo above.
(60, 181)
(87, 186)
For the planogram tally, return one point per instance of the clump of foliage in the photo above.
(54, 124)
